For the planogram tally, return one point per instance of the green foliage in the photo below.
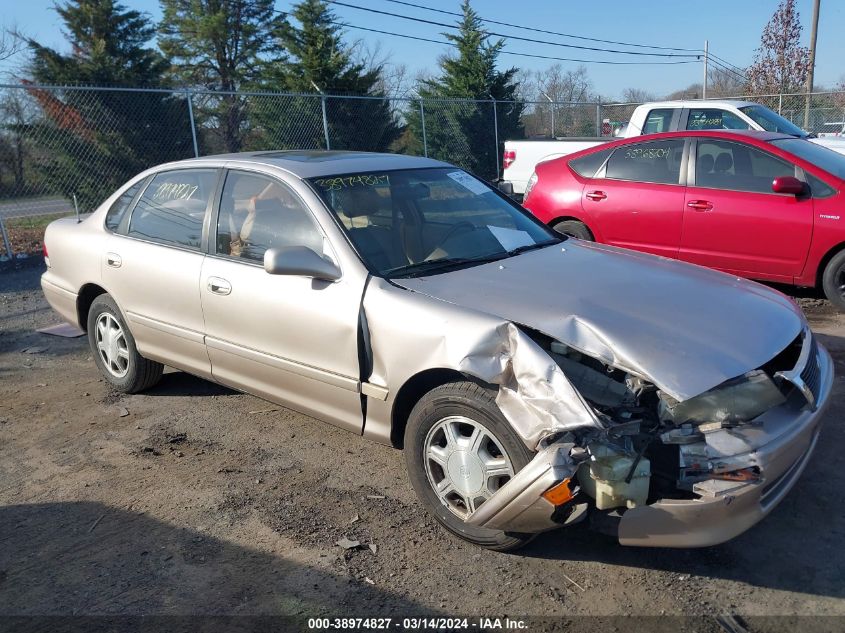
(223, 46)
(92, 141)
(319, 58)
(463, 133)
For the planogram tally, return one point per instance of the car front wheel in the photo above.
(833, 280)
(459, 451)
(114, 349)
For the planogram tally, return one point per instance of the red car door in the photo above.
(735, 222)
(636, 200)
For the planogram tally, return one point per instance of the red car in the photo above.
(761, 205)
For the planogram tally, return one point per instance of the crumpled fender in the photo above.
(534, 394)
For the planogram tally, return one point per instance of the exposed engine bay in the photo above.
(652, 447)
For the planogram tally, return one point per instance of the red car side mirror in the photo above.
(788, 184)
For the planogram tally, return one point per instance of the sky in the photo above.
(733, 28)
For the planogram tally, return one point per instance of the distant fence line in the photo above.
(61, 141)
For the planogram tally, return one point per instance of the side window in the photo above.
(258, 213)
(172, 208)
(819, 188)
(714, 119)
(588, 165)
(654, 161)
(737, 167)
(658, 121)
(118, 208)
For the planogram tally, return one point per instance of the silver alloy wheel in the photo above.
(111, 345)
(465, 464)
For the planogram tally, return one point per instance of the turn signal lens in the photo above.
(559, 494)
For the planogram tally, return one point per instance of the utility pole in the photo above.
(813, 35)
(704, 83)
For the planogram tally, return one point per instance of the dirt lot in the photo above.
(193, 499)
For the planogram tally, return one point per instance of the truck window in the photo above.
(714, 119)
(737, 167)
(658, 120)
(653, 161)
(589, 164)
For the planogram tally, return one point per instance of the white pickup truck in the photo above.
(520, 157)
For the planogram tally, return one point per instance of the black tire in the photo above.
(140, 373)
(833, 280)
(574, 228)
(478, 403)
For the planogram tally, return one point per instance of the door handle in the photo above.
(219, 286)
(700, 205)
(113, 260)
(596, 195)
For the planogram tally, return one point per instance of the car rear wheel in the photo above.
(459, 451)
(833, 280)
(114, 349)
(574, 228)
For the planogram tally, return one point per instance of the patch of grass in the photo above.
(30, 222)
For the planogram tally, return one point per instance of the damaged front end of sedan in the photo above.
(642, 464)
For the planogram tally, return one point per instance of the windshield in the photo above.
(822, 157)
(772, 121)
(426, 221)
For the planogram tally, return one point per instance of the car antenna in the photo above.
(76, 206)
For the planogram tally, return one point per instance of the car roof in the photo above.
(753, 135)
(713, 103)
(317, 163)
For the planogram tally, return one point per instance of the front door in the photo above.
(152, 266)
(290, 339)
(636, 201)
(735, 222)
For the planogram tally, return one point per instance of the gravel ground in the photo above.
(193, 499)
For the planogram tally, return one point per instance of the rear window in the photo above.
(653, 161)
(118, 209)
(172, 209)
(587, 165)
(658, 120)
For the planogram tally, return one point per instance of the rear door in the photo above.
(153, 262)
(636, 200)
(735, 222)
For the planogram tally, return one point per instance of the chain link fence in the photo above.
(69, 147)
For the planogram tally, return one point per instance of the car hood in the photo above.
(685, 328)
(836, 143)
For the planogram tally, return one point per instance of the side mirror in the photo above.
(505, 187)
(788, 184)
(300, 261)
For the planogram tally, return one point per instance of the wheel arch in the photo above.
(84, 299)
(411, 392)
(565, 218)
(825, 260)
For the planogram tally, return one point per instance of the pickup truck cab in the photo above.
(521, 157)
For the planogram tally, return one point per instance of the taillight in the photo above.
(508, 156)
(46, 256)
(529, 186)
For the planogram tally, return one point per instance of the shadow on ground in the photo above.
(87, 558)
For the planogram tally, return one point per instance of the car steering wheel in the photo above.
(460, 227)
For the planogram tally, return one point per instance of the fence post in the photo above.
(598, 119)
(422, 120)
(496, 133)
(6, 242)
(190, 98)
(325, 121)
(780, 103)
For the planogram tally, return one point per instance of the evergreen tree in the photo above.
(319, 57)
(118, 133)
(222, 46)
(463, 133)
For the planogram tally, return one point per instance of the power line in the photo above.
(536, 30)
(511, 37)
(711, 54)
(518, 54)
(725, 68)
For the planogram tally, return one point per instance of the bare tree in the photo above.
(780, 64)
(724, 83)
(637, 95)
